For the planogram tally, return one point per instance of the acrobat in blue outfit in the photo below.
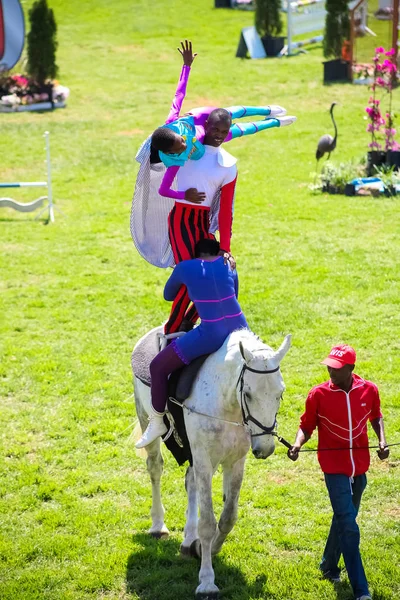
(213, 287)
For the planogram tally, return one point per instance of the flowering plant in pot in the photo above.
(38, 90)
(383, 147)
(268, 22)
(18, 90)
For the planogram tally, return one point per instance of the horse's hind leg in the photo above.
(192, 518)
(233, 477)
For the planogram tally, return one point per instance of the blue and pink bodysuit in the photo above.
(213, 287)
(191, 128)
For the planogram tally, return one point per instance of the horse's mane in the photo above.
(250, 340)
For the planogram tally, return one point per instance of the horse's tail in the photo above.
(134, 437)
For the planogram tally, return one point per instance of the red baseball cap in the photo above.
(339, 356)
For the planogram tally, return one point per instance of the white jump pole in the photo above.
(49, 189)
(30, 206)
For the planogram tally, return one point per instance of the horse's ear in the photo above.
(246, 354)
(284, 347)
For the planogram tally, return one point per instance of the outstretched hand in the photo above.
(187, 53)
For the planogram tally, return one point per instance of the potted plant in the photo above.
(222, 4)
(268, 22)
(383, 149)
(42, 46)
(337, 31)
(36, 90)
(389, 179)
(338, 178)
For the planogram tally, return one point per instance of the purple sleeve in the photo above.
(179, 95)
(165, 187)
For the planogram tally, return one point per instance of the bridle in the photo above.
(246, 414)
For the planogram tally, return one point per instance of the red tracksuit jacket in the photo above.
(342, 420)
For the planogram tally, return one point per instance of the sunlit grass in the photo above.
(75, 296)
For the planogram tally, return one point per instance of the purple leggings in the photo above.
(165, 363)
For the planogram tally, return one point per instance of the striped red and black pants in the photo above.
(186, 226)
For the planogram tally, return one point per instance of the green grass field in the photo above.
(75, 296)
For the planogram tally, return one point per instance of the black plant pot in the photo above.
(336, 70)
(332, 189)
(272, 45)
(222, 3)
(376, 158)
(393, 159)
(350, 189)
(390, 191)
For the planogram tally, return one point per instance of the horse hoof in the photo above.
(159, 535)
(195, 549)
(207, 596)
(185, 551)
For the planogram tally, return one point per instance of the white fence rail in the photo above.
(30, 206)
(303, 16)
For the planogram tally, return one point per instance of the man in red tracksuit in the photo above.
(341, 408)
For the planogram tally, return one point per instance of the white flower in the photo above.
(10, 100)
(60, 93)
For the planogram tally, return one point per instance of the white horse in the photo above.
(233, 404)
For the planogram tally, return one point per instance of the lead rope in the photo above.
(289, 445)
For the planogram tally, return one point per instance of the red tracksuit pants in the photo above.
(186, 226)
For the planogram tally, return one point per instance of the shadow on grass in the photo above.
(343, 591)
(158, 572)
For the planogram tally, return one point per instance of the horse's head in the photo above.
(260, 388)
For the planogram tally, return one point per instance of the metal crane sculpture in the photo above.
(327, 143)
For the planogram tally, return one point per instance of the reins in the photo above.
(197, 412)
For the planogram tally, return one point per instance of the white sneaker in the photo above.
(277, 111)
(155, 429)
(286, 120)
(364, 597)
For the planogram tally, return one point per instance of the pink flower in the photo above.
(390, 52)
(380, 81)
(379, 50)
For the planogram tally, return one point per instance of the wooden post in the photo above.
(395, 30)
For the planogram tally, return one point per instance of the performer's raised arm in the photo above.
(188, 58)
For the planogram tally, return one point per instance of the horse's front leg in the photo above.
(155, 464)
(233, 478)
(207, 526)
(192, 519)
